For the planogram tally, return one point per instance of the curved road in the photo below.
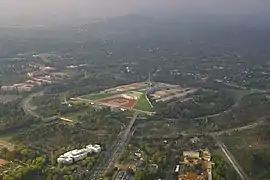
(28, 108)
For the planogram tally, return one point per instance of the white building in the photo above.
(129, 96)
(78, 154)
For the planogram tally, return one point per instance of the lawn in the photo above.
(143, 104)
(75, 115)
(97, 96)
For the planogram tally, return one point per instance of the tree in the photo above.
(55, 177)
(111, 172)
(3, 152)
(10, 155)
(49, 176)
(140, 175)
(53, 159)
(130, 171)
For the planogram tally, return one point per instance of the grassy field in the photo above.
(238, 94)
(143, 104)
(255, 151)
(97, 96)
(75, 115)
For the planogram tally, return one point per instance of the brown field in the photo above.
(118, 102)
(3, 162)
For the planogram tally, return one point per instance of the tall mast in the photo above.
(149, 81)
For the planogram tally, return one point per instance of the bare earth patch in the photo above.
(3, 162)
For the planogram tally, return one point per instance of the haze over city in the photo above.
(51, 11)
(134, 89)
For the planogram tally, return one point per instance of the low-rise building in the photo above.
(129, 96)
(78, 154)
(8, 88)
(196, 165)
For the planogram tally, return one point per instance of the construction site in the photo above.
(166, 92)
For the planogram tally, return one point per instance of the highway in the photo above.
(121, 175)
(232, 160)
(123, 141)
(112, 155)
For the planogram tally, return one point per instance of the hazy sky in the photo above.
(73, 9)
